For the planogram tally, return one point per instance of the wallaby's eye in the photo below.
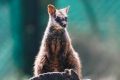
(65, 19)
(61, 20)
(58, 19)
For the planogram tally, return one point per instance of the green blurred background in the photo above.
(94, 27)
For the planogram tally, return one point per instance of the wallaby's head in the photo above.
(58, 17)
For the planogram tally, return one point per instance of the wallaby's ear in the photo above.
(51, 9)
(67, 9)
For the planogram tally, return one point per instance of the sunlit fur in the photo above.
(56, 52)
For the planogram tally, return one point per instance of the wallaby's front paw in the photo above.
(68, 72)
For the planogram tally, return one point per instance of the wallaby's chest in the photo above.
(55, 63)
(56, 40)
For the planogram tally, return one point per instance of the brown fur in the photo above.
(56, 53)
